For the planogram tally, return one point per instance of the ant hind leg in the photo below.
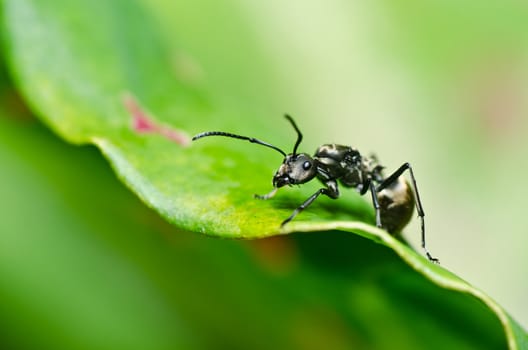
(419, 208)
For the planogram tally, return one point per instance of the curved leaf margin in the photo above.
(515, 335)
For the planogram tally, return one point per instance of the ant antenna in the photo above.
(299, 135)
(250, 139)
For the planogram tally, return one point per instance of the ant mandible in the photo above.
(392, 196)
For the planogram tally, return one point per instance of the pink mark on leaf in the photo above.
(143, 123)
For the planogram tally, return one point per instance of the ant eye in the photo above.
(307, 165)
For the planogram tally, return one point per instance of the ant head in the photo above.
(295, 169)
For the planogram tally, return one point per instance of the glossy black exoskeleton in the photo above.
(392, 196)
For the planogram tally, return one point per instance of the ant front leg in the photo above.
(331, 191)
(267, 195)
(419, 208)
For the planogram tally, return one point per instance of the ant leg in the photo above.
(419, 208)
(375, 203)
(267, 195)
(331, 191)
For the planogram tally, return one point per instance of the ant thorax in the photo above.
(347, 165)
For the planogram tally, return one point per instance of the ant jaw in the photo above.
(280, 179)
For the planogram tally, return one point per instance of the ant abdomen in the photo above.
(396, 205)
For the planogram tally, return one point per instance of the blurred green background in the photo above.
(441, 84)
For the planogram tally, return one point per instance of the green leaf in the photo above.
(137, 83)
(86, 267)
(100, 80)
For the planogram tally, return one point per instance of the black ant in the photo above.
(392, 196)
